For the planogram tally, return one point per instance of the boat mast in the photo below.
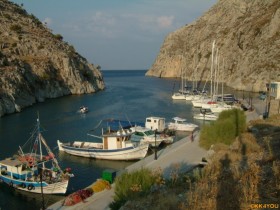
(212, 64)
(217, 72)
(39, 140)
(182, 77)
(223, 76)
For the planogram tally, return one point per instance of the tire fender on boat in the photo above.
(11, 184)
(46, 173)
(23, 185)
(1, 180)
(31, 187)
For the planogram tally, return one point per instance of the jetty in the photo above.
(183, 154)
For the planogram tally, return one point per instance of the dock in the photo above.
(183, 154)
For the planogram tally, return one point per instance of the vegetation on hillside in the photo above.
(242, 175)
(231, 123)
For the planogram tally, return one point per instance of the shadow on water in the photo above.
(25, 200)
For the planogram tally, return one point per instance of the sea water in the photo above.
(129, 95)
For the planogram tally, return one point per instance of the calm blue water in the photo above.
(128, 94)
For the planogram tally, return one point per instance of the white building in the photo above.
(275, 90)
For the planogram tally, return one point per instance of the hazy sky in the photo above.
(116, 34)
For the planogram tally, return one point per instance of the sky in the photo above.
(116, 34)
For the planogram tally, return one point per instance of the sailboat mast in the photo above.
(223, 76)
(39, 139)
(217, 73)
(182, 77)
(212, 64)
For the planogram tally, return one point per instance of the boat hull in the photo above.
(178, 96)
(177, 127)
(206, 117)
(35, 187)
(129, 153)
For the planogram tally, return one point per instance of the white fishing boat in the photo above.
(35, 171)
(181, 124)
(146, 136)
(205, 115)
(155, 123)
(116, 145)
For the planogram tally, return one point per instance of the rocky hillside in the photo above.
(247, 38)
(36, 64)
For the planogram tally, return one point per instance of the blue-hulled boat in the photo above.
(34, 171)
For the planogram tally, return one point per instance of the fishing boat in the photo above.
(115, 145)
(181, 124)
(205, 114)
(35, 171)
(146, 136)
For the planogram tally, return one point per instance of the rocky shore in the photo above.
(246, 34)
(36, 64)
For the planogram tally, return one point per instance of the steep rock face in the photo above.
(36, 64)
(247, 36)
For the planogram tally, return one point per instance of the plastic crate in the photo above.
(109, 175)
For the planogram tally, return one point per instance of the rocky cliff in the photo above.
(247, 37)
(36, 64)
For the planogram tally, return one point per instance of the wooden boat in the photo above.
(34, 171)
(116, 145)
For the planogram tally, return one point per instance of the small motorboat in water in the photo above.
(83, 109)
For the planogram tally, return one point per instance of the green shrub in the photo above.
(17, 28)
(35, 20)
(58, 36)
(129, 186)
(229, 125)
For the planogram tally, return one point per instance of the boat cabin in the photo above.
(154, 123)
(12, 167)
(116, 139)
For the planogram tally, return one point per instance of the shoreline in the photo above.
(183, 153)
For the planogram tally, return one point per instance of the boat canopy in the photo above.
(125, 124)
(179, 119)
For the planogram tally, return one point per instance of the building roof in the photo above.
(11, 162)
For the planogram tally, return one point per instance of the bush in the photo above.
(58, 36)
(128, 186)
(229, 125)
(16, 28)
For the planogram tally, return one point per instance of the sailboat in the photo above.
(37, 170)
(180, 95)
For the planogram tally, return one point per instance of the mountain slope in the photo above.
(36, 64)
(247, 36)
